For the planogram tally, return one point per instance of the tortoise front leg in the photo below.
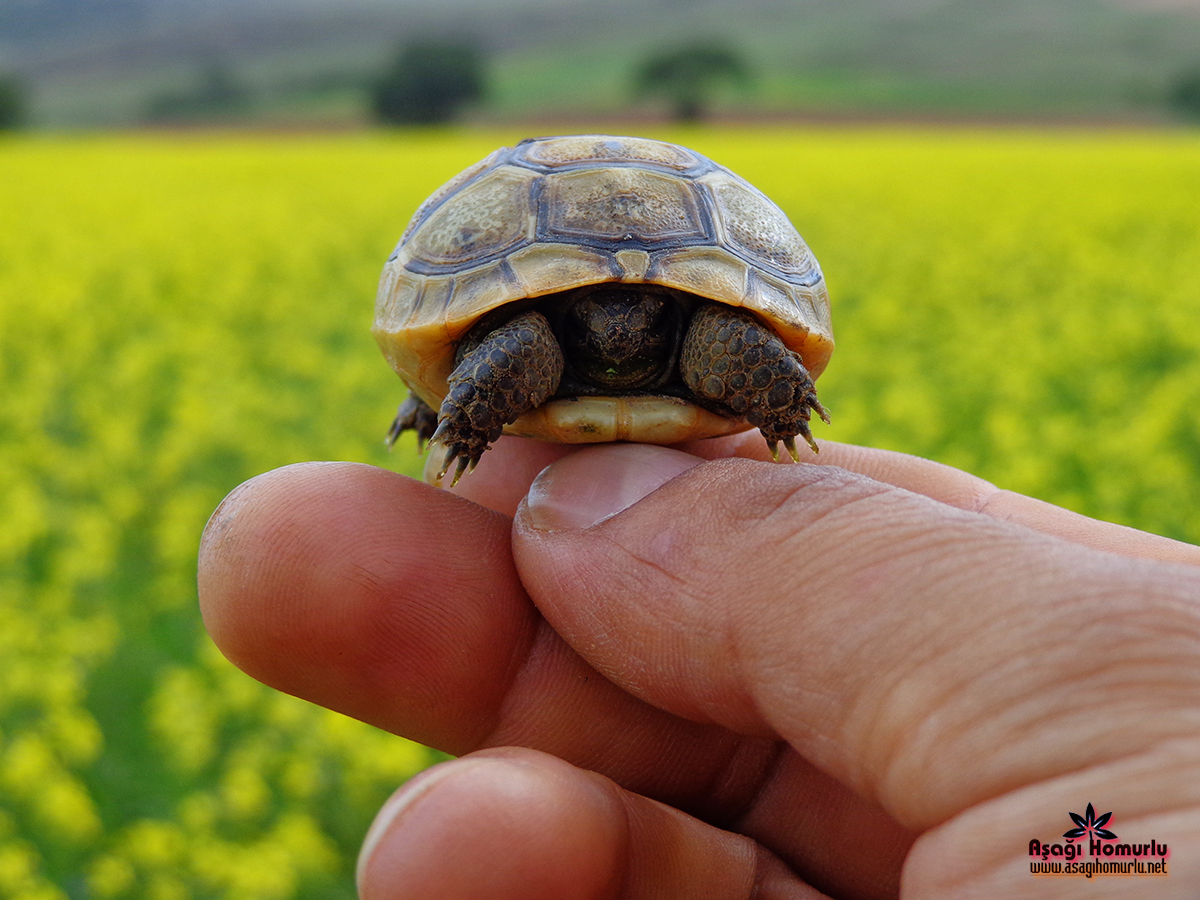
(736, 363)
(500, 375)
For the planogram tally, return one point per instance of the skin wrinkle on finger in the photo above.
(935, 480)
(975, 729)
(895, 697)
(1047, 553)
(921, 723)
(822, 481)
(785, 539)
(1156, 792)
(1013, 711)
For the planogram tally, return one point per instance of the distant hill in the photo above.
(116, 63)
(1151, 5)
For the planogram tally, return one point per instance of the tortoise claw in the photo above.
(457, 455)
(465, 464)
(453, 452)
(790, 443)
(439, 435)
(808, 438)
(432, 470)
(393, 433)
(451, 455)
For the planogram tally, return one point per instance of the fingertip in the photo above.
(242, 533)
(506, 823)
(369, 593)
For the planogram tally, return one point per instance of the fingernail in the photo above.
(598, 482)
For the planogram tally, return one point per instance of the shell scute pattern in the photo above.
(490, 215)
(705, 271)
(631, 205)
(484, 288)
(435, 199)
(574, 150)
(756, 226)
(545, 268)
(398, 297)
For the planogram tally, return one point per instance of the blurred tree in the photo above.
(14, 102)
(688, 76)
(220, 87)
(1184, 94)
(217, 93)
(429, 82)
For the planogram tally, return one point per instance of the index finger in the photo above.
(397, 604)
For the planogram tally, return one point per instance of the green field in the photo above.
(177, 315)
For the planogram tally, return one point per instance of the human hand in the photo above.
(759, 677)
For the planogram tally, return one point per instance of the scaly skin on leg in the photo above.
(513, 369)
(732, 360)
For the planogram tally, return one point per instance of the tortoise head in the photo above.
(622, 337)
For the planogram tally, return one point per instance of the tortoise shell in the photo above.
(557, 213)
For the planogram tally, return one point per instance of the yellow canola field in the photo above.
(179, 314)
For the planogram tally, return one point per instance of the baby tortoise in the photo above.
(594, 288)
